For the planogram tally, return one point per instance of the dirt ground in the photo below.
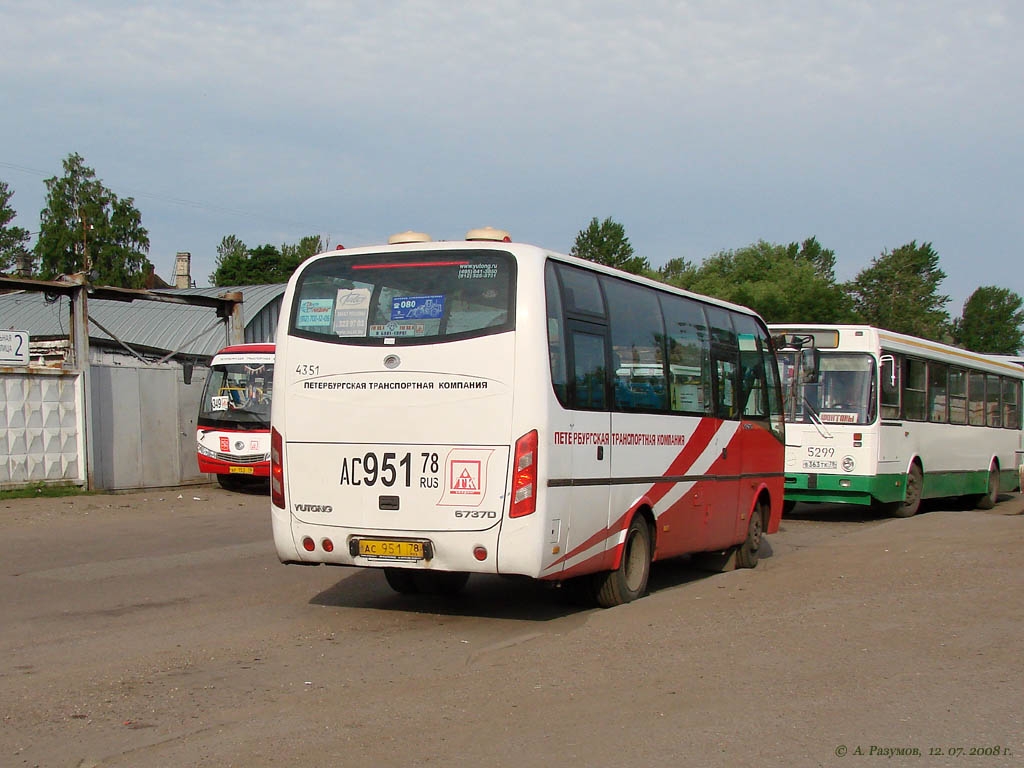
(158, 629)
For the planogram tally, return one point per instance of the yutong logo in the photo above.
(324, 509)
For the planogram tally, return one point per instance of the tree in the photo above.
(606, 243)
(783, 283)
(991, 322)
(899, 292)
(238, 264)
(14, 256)
(86, 226)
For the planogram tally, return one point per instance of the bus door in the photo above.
(590, 422)
(727, 465)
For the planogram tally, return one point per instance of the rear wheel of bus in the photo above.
(912, 498)
(988, 500)
(408, 581)
(629, 581)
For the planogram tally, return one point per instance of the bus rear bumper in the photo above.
(844, 489)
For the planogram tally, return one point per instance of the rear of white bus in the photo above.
(393, 433)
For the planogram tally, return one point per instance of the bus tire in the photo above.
(629, 581)
(748, 553)
(229, 482)
(401, 580)
(440, 582)
(787, 506)
(912, 498)
(989, 499)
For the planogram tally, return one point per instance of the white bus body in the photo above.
(424, 427)
(894, 419)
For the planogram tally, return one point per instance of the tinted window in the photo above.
(588, 370)
(638, 363)
(581, 292)
(689, 355)
(753, 391)
(405, 298)
(890, 376)
(556, 335)
(724, 362)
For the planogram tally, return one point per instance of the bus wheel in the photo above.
(912, 500)
(748, 552)
(401, 580)
(440, 582)
(629, 581)
(787, 507)
(988, 500)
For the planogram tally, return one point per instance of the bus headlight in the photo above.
(204, 451)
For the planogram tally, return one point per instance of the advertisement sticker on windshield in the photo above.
(417, 307)
(478, 271)
(315, 313)
(351, 311)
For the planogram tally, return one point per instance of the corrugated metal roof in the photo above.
(145, 323)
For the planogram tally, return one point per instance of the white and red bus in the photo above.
(446, 408)
(233, 428)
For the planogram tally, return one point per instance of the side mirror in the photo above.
(810, 361)
(186, 371)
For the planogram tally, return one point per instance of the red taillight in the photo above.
(524, 477)
(328, 545)
(276, 469)
(308, 544)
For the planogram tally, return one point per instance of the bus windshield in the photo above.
(237, 396)
(843, 394)
(408, 298)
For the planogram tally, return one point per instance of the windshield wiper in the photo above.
(816, 420)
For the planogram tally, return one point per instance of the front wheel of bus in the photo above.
(629, 581)
(749, 551)
(988, 500)
(912, 499)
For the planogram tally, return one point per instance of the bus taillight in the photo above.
(276, 469)
(524, 482)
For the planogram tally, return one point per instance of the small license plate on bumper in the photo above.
(240, 470)
(390, 549)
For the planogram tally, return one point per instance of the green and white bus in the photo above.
(881, 418)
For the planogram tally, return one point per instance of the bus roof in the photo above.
(901, 342)
(247, 349)
(520, 251)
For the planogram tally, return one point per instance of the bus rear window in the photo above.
(408, 298)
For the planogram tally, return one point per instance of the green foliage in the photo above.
(783, 283)
(606, 243)
(899, 291)
(238, 264)
(82, 222)
(40, 490)
(13, 253)
(991, 322)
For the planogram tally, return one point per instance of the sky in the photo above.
(700, 126)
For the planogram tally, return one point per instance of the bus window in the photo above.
(777, 416)
(588, 370)
(689, 355)
(957, 396)
(938, 374)
(556, 335)
(725, 353)
(753, 388)
(1011, 404)
(890, 375)
(637, 334)
(976, 399)
(582, 294)
(992, 400)
(914, 391)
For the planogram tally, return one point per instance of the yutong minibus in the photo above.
(484, 406)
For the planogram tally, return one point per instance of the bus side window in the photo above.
(637, 334)
(992, 400)
(689, 355)
(752, 393)
(957, 396)
(1011, 404)
(588, 370)
(890, 376)
(976, 399)
(914, 390)
(556, 335)
(938, 385)
(725, 353)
